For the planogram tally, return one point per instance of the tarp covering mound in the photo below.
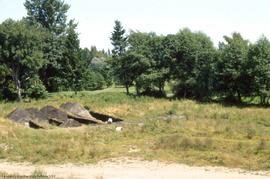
(68, 115)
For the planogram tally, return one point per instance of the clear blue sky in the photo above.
(214, 17)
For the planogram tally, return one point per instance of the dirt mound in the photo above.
(76, 109)
(20, 115)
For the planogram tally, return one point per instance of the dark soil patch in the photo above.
(104, 117)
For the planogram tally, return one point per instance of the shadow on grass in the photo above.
(248, 102)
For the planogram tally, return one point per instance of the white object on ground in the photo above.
(119, 129)
(110, 120)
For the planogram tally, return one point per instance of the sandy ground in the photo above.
(134, 169)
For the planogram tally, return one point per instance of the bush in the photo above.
(153, 93)
(36, 89)
(93, 81)
(9, 92)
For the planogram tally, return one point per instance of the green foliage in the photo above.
(35, 89)
(192, 65)
(100, 65)
(208, 137)
(21, 52)
(258, 69)
(50, 14)
(118, 39)
(93, 81)
(118, 62)
(156, 70)
(231, 70)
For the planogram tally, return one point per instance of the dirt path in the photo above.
(124, 168)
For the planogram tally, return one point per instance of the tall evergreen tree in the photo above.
(73, 67)
(119, 42)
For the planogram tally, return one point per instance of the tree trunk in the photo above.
(239, 96)
(17, 82)
(138, 91)
(160, 87)
(127, 88)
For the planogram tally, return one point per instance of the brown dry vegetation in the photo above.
(213, 134)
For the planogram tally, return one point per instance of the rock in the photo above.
(141, 124)
(76, 109)
(119, 129)
(29, 117)
(38, 115)
(69, 115)
(104, 117)
(36, 125)
(70, 123)
(79, 113)
(20, 116)
(54, 113)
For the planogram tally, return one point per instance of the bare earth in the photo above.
(134, 169)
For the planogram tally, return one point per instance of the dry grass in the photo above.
(213, 134)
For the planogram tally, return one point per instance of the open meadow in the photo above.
(181, 131)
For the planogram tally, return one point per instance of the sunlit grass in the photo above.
(228, 136)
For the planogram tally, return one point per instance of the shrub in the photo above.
(35, 89)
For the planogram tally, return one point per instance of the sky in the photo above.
(216, 18)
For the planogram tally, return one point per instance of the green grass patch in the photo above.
(214, 135)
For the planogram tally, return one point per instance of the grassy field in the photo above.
(213, 135)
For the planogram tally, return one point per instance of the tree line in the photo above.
(190, 61)
(41, 53)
